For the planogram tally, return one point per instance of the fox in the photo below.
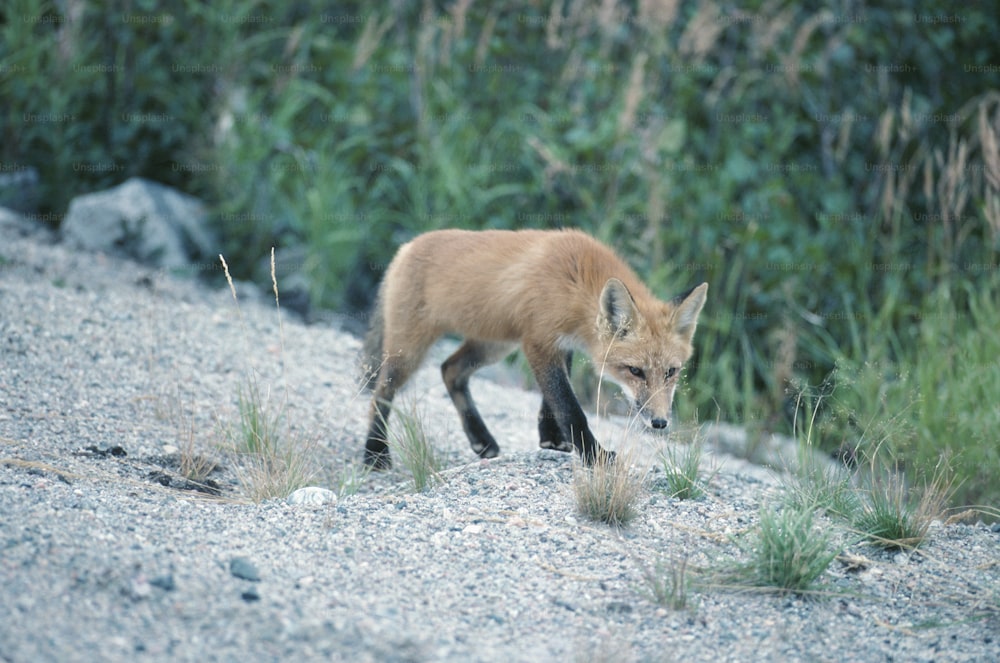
(551, 292)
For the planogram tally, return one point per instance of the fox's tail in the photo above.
(372, 357)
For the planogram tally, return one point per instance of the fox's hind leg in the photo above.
(456, 371)
(396, 369)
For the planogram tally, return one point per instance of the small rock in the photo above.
(620, 607)
(243, 568)
(164, 582)
(312, 495)
(250, 595)
(139, 588)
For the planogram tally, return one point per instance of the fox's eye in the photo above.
(636, 371)
(671, 372)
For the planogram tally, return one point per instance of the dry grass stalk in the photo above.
(634, 93)
(702, 32)
(609, 491)
(371, 37)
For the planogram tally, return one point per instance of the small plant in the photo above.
(889, 517)
(259, 428)
(667, 583)
(194, 467)
(408, 441)
(828, 488)
(350, 478)
(814, 482)
(275, 474)
(609, 490)
(682, 471)
(788, 554)
(269, 462)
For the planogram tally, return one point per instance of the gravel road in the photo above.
(108, 368)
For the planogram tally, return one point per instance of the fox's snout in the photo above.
(660, 423)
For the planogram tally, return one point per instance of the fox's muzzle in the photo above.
(659, 423)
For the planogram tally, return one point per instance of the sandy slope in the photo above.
(100, 561)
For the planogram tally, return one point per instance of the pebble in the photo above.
(243, 568)
(312, 495)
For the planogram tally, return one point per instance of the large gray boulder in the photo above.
(149, 222)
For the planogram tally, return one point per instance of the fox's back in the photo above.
(502, 285)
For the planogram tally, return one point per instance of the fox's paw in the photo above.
(378, 460)
(556, 445)
(487, 450)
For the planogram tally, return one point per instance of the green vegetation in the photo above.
(684, 477)
(667, 583)
(408, 442)
(835, 178)
(270, 462)
(787, 553)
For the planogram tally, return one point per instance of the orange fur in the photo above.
(550, 292)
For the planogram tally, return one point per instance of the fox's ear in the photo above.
(686, 313)
(618, 310)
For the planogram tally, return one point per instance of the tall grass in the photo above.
(270, 462)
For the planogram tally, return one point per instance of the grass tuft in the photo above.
(891, 518)
(788, 553)
(409, 443)
(269, 461)
(609, 491)
(683, 473)
(193, 466)
(667, 583)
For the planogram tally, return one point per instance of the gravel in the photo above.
(108, 369)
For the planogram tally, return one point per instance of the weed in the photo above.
(610, 489)
(667, 583)
(891, 518)
(788, 553)
(684, 477)
(350, 478)
(408, 441)
(269, 462)
(822, 486)
(275, 474)
(815, 482)
(194, 466)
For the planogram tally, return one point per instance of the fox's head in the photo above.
(644, 351)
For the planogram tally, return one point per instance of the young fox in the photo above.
(549, 291)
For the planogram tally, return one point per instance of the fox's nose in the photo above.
(660, 424)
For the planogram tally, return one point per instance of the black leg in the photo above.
(549, 434)
(559, 399)
(456, 371)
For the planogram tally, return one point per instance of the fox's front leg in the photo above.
(549, 434)
(561, 403)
